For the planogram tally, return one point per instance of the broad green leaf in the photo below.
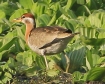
(4, 26)
(52, 72)
(87, 23)
(7, 8)
(8, 45)
(101, 60)
(94, 42)
(81, 1)
(38, 9)
(11, 63)
(2, 14)
(0, 73)
(20, 34)
(32, 71)
(6, 77)
(77, 76)
(17, 14)
(89, 60)
(95, 59)
(3, 53)
(68, 25)
(92, 4)
(48, 1)
(44, 19)
(83, 10)
(96, 74)
(85, 28)
(40, 61)
(70, 4)
(1, 30)
(64, 13)
(26, 58)
(76, 58)
(52, 20)
(27, 4)
(74, 24)
(60, 21)
(96, 18)
(54, 7)
(71, 14)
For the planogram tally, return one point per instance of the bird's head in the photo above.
(26, 18)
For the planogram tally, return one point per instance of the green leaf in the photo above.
(89, 60)
(27, 4)
(81, 2)
(94, 41)
(31, 71)
(52, 64)
(44, 20)
(26, 58)
(38, 9)
(68, 25)
(101, 60)
(17, 14)
(52, 72)
(11, 63)
(64, 12)
(6, 77)
(70, 4)
(71, 14)
(3, 53)
(2, 14)
(21, 41)
(96, 18)
(92, 4)
(52, 20)
(77, 76)
(83, 10)
(96, 74)
(96, 58)
(7, 7)
(76, 58)
(40, 61)
(8, 45)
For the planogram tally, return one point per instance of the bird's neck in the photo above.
(29, 28)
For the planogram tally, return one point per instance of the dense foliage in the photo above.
(86, 51)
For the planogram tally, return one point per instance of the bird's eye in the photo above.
(23, 16)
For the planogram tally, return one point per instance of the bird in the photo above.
(47, 40)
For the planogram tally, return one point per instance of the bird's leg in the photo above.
(68, 62)
(42, 53)
(47, 67)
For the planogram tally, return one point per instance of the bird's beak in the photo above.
(17, 20)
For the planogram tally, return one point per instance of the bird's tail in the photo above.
(75, 34)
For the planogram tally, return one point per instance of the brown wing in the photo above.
(42, 36)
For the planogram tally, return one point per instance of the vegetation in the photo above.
(86, 51)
